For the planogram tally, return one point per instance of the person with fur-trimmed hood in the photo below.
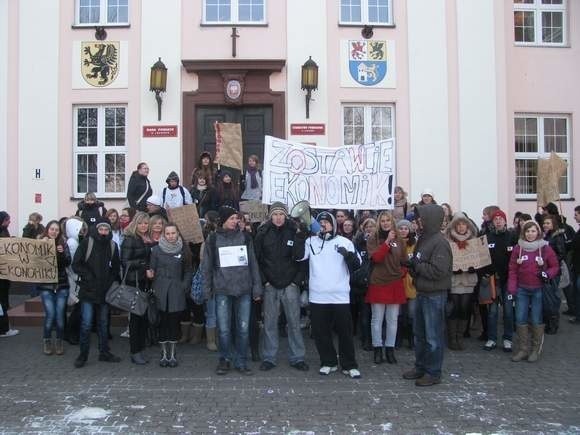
(332, 258)
(459, 231)
(91, 210)
(532, 263)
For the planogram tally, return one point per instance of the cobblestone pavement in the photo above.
(482, 392)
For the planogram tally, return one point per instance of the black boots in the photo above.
(390, 354)
(378, 358)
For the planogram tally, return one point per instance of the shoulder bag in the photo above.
(127, 298)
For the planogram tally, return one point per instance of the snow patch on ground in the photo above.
(386, 426)
(87, 415)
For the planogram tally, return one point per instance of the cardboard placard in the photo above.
(257, 211)
(228, 144)
(28, 260)
(549, 173)
(475, 255)
(187, 220)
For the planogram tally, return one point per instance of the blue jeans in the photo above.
(239, 307)
(429, 330)
(210, 315)
(54, 304)
(290, 299)
(508, 316)
(87, 310)
(529, 300)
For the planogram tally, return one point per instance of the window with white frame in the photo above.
(102, 12)
(536, 136)
(234, 11)
(363, 123)
(100, 134)
(378, 12)
(540, 22)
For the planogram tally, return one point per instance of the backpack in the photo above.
(91, 243)
(182, 194)
(360, 278)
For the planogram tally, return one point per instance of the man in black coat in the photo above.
(97, 263)
(281, 277)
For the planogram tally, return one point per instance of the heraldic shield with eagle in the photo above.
(368, 61)
(100, 62)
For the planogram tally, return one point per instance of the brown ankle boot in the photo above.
(185, 332)
(523, 343)
(196, 333)
(59, 346)
(210, 334)
(47, 346)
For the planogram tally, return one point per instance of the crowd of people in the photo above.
(387, 277)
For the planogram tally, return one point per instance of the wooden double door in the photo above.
(256, 122)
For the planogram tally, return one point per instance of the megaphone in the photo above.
(301, 212)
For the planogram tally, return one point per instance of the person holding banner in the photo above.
(54, 296)
(331, 259)
(458, 232)
(5, 330)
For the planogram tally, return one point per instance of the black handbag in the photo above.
(127, 298)
(551, 298)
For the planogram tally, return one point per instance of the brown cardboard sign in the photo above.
(475, 255)
(187, 220)
(28, 260)
(257, 211)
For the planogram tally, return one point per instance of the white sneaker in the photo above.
(490, 345)
(326, 370)
(353, 373)
(507, 345)
(125, 333)
(10, 333)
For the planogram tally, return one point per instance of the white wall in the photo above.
(428, 97)
(3, 104)
(38, 116)
(161, 19)
(307, 37)
(478, 137)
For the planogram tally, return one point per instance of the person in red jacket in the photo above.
(532, 263)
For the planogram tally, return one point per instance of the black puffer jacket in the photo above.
(557, 242)
(139, 188)
(135, 259)
(274, 252)
(500, 245)
(91, 213)
(99, 271)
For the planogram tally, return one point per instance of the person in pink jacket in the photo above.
(532, 263)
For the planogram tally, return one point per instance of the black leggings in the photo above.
(461, 306)
(169, 326)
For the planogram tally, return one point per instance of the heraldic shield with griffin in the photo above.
(367, 61)
(100, 62)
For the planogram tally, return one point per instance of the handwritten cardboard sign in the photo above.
(475, 255)
(257, 211)
(345, 177)
(187, 221)
(28, 260)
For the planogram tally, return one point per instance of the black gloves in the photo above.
(543, 276)
(471, 270)
(342, 251)
(350, 258)
(457, 272)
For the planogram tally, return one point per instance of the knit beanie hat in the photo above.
(278, 207)
(499, 213)
(226, 212)
(403, 223)
(103, 224)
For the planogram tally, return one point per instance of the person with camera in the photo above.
(281, 278)
(331, 259)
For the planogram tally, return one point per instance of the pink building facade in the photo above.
(472, 92)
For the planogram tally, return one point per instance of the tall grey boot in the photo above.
(172, 351)
(163, 362)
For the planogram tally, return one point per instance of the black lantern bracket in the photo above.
(309, 81)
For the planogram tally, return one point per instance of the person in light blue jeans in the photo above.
(54, 304)
(233, 341)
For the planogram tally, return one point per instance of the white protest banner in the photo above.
(347, 177)
(28, 260)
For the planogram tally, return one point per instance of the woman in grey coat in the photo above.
(171, 271)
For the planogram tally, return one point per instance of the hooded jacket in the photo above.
(230, 280)
(73, 228)
(138, 190)
(99, 271)
(275, 254)
(432, 258)
(463, 279)
(91, 213)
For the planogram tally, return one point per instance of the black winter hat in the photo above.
(172, 176)
(226, 212)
